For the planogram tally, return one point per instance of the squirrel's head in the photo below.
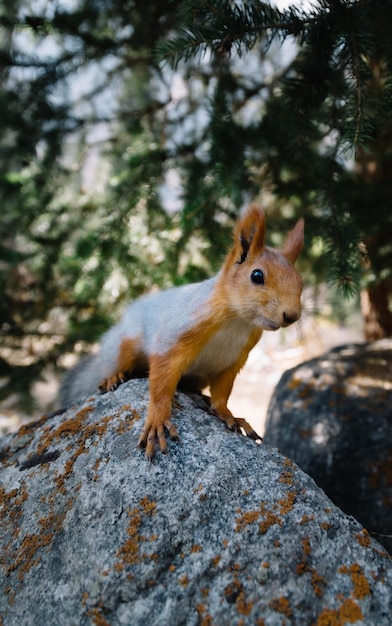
(263, 285)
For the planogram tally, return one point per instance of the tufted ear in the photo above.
(249, 234)
(294, 242)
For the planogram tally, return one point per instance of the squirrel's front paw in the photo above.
(237, 424)
(155, 433)
(111, 383)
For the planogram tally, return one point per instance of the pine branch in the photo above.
(220, 25)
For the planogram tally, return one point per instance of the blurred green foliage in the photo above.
(131, 133)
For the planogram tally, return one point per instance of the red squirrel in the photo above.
(201, 333)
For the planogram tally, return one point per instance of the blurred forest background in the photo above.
(133, 132)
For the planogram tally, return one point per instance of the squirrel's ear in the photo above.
(250, 233)
(294, 242)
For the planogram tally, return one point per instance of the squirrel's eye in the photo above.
(257, 277)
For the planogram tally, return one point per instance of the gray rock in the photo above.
(219, 531)
(333, 416)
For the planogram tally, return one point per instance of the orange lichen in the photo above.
(27, 552)
(33, 425)
(126, 424)
(286, 478)
(51, 521)
(232, 591)
(81, 434)
(294, 383)
(71, 427)
(25, 557)
(129, 553)
(205, 618)
(183, 580)
(286, 504)
(26, 549)
(363, 538)
(317, 582)
(305, 392)
(11, 510)
(97, 618)
(306, 519)
(148, 506)
(243, 607)
(360, 582)
(281, 605)
(250, 517)
(96, 467)
(269, 518)
(306, 545)
(216, 560)
(348, 613)
(304, 567)
(196, 548)
(301, 568)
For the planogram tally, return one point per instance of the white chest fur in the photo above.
(222, 350)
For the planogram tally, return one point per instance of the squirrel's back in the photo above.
(155, 321)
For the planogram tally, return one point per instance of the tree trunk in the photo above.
(374, 164)
(376, 311)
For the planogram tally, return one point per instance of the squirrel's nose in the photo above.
(290, 318)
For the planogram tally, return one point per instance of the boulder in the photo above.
(221, 530)
(333, 417)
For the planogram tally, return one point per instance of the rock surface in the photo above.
(220, 531)
(333, 416)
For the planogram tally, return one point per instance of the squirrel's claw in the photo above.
(242, 424)
(237, 424)
(151, 435)
(111, 383)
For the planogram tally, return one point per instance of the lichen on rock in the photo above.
(221, 530)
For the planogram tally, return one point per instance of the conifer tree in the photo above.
(96, 79)
(326, 132)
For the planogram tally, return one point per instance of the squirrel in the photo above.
(200, 333)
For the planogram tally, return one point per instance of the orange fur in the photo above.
(294, 242)
(129, 358)
(127, 354)
(165, 374)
